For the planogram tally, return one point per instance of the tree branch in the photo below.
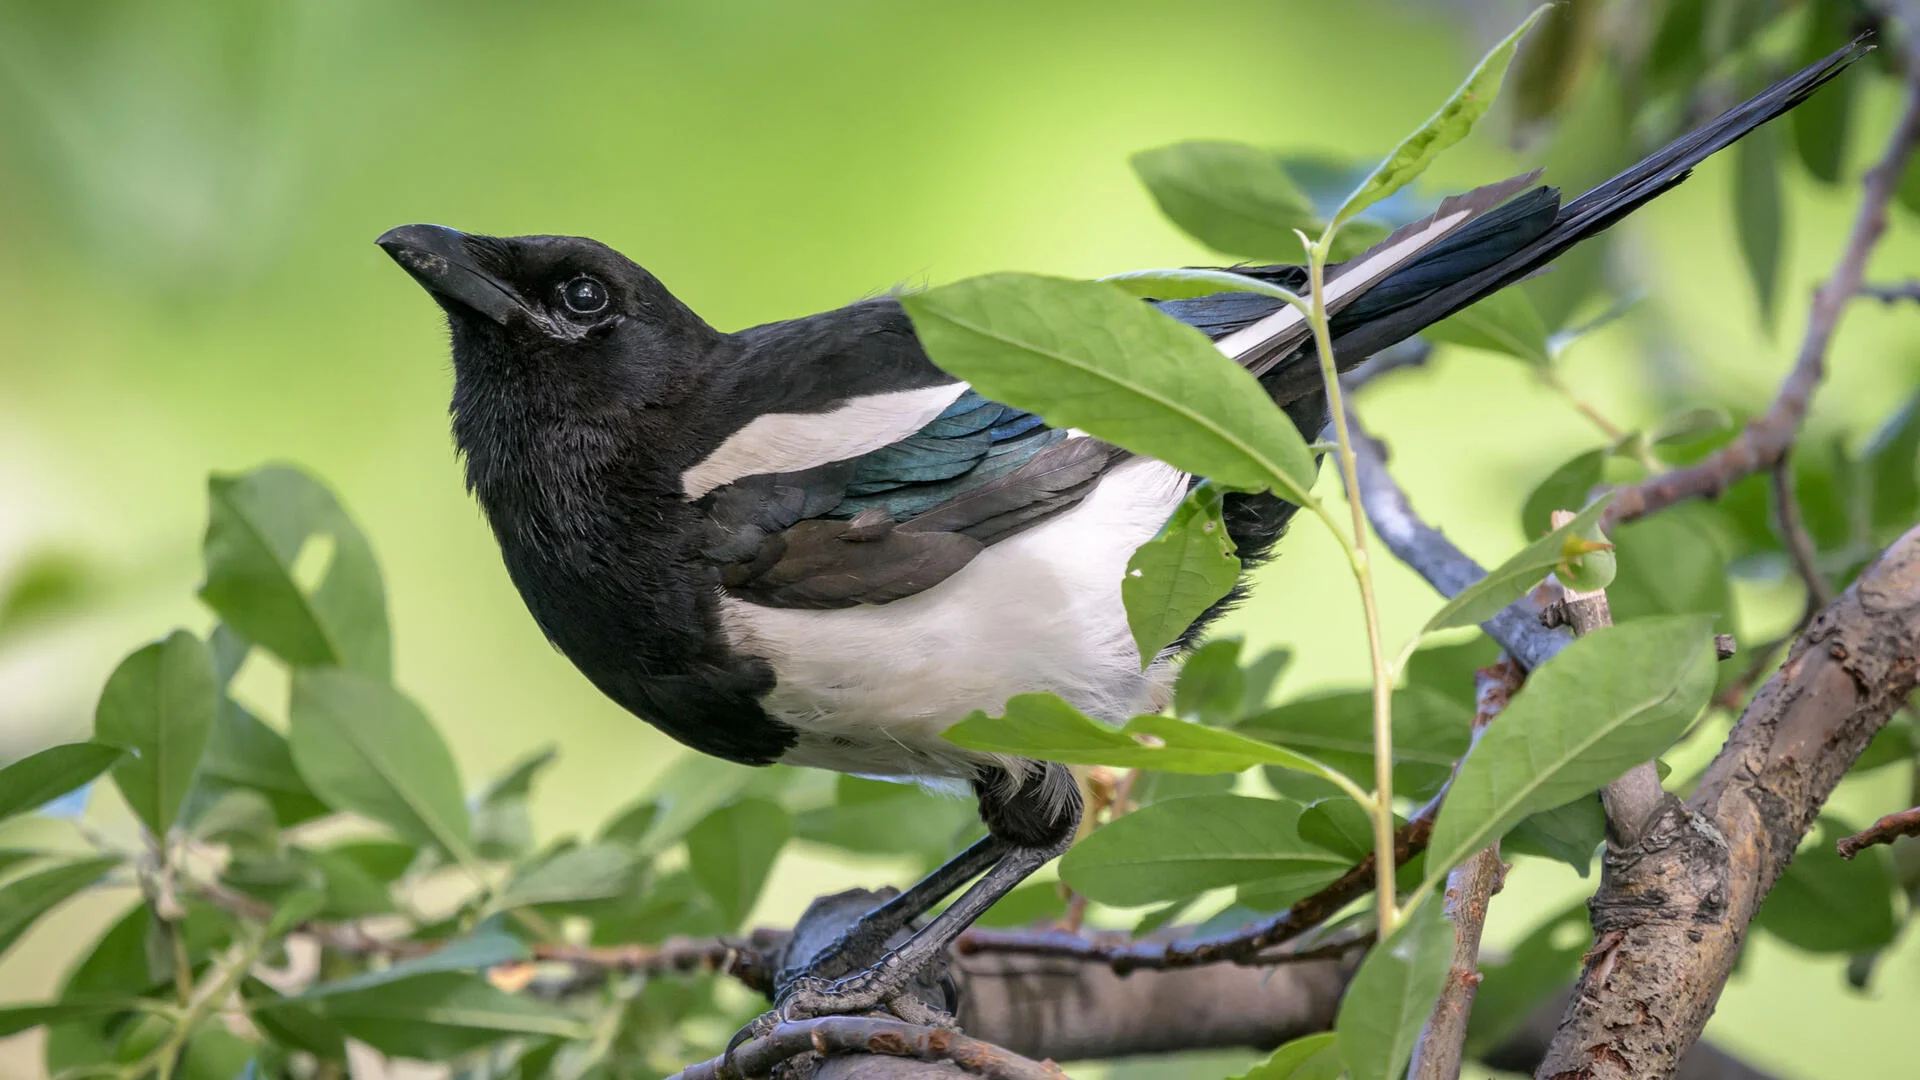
(1672, 911)
(1769, 436)
(830, 1035)
(1885, 831)
(1470, 886)
(1793, 533)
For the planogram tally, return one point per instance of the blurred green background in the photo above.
(189, 194)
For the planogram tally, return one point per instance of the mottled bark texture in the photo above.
(1672, 910)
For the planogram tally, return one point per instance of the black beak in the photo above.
(438, 258)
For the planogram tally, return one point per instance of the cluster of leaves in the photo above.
(345, 820)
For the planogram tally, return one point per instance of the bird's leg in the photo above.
(1031, 824)
(865, 940)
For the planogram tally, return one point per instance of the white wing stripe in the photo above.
(786, 442)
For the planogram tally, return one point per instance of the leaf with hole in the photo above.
(159, 704)
(1182, 847)
(1172, 579)
(263, 527)
(363, 746)
(1518, 575)
(1610, 700)
(39, 778)
(1045, 727)
(1086, 355)
(1392, 993)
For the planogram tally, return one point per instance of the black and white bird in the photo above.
(805, 543)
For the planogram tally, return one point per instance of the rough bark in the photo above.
(1672, 910)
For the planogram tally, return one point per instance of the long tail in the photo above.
(1493, 248)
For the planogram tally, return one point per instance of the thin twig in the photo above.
(1885, 831)
(1793, 532)
(1470, 887)
(1891, 294)
(1769, 436)
(868, 1035)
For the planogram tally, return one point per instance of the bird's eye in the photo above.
(584, 296)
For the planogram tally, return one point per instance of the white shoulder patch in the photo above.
(787, 442)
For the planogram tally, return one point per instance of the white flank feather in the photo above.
(788, 442)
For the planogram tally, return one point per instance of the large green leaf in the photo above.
(1669, 564)
(1392, 993)
(117, 964)
(1211, 688)
(1824, 903)
(1234, 198)
(685, 793)
(1514, 578)
(485, 948)
(1187, 282)
(502, 824)
(1569, 833)
(17, 1018)
(1505, 322)
(1565, 488)
(1175, 577)
(439, 1016)
(1181, 847)
(1430, 731)
(1820, 124)
(877, 817)
(1892, 460)
(243, 753)
(260, 526)
(25, 899)
(40, 778)
(576, 875)
(1757, 210)
(363, 746)
(1045, 727)
(160, 704)
(1443, 129)
(1309, 1057)
(1610, 700)
(732, 851)
(1087, 355)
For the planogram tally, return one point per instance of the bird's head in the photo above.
(564, 313)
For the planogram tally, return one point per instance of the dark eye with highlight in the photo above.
(584, 296)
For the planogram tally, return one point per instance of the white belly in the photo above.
(871, 688)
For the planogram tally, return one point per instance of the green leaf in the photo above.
(1175, 577)
(1443, 129)
(732, 851)
(502, 824)
(1430, 731)
(485, 948)
(877, 817)
(1517, 576)
(631, 823)
(686, 792)
(1892, 460)
(116, 965)
(38, 779)
(1260, 676)
(25, 899)
(1567, 833)
(1820, 124)
(1452, 670)
(1234, 198)
(1505, 322)
(438, 1016)
(1045, 727)
(1542, 964)
(595, 872)
(243, 753)
(1086, 355)
(258, 526)
(1211, 687)
(1610, 700)
(1757, 211)
(1392, 993)
(214, 1053)
(1186, 283)
(1309, 1057)
(42, 585)
(17, 1018)
(363, 746)
(1340, 825)
(1826, 904)
(1669, 564)
(359, 876)
(290, 1024)
(1175, 849)
(159, 703)
(1031, 904)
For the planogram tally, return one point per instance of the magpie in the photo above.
(805, 543)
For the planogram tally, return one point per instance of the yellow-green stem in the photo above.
(1382, 809)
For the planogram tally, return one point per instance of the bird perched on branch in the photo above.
(805, 543)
